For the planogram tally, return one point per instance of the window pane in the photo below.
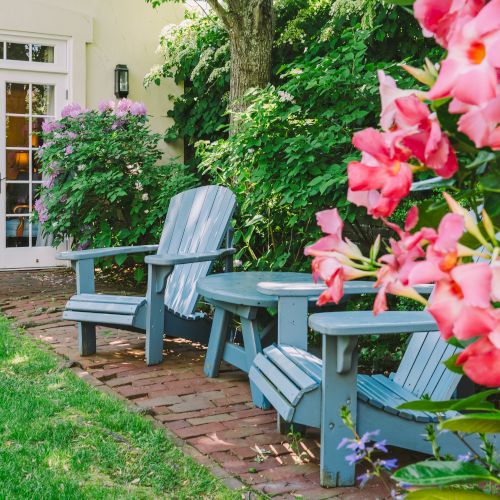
(17, 229)
(1, 50)
(36, 128)
(18, 198)
(36, 164)
(18, 51)
(42, 53)
(43, 99)
(17, 131)
(17, 98)
(17, 165)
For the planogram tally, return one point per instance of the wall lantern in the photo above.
(121, 80)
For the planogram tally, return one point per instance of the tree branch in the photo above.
(221, 12)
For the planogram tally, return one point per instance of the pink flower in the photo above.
(424, 137)
(68, 149)
(441, 253)
(138, 109)
(42, 211)
(123, 107)
(106, 106)
(481, 362)
(481, 123)
(469, 73)
(460, 303)
(50, 126)
(442, 18)
(332, 256)
(389, 92)
(383, 177)
(72, 110)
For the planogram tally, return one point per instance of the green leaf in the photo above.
(120, 259)
(442, 473)
(446, 494)
(484, 423)
(404, 3)
(475, 402)
(451, 364)
(490, 182)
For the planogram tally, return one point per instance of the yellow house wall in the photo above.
(102, 34)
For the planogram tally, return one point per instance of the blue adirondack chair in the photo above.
(310, 391)
(196, 225)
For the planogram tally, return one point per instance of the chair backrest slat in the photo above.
(197, 221)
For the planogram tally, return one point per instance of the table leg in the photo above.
(216, 342)
(251, 339)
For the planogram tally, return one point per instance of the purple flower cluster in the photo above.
(123, 107)
(50, 126)
(42, 211)
(73, 110)
(363, 447)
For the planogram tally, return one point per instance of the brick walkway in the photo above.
(212, 419)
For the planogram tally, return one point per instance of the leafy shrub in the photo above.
(101, 184)
(288, 158)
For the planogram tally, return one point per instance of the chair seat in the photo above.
(106, 309)
(120, 310)
(286, 375)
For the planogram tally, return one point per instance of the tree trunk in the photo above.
(251, 32)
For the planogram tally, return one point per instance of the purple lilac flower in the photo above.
(63, 198)
(50, 126)
(73, 110)
(106, 106)
(68, 149)
(355, 458)
(467, 457)
(389, 464)
(117, 124)
(381, 445)
(43, 213)
(123, 107)
(138, 109)
(71, 135)
(364, 478)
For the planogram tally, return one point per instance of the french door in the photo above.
(27, 99)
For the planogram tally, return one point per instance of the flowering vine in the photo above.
(414, 138)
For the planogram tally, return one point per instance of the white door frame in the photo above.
(25, 257)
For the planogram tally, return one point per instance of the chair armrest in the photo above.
(354, 323)
(174, 259)
(315, 289)
(104, 252)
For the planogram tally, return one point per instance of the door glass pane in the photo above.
(18, 51)
(36, 128)
(36, 165)
(18, 163)
(43, 99)
(17, 131)
(42, 53)
(17, 198)
(17, 231)
(17, 98)
(1, 50)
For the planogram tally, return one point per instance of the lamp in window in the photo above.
(21, 163)
(121, 81)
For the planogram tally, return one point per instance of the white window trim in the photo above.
(60, 44)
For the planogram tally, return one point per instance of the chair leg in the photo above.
(86, 339)
(155, 317)
(338, 389)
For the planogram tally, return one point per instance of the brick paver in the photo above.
(215, 418)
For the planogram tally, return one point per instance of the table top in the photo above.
(241, 288)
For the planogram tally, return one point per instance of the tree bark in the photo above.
(251, 31)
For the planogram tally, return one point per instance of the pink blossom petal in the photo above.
(475, 280)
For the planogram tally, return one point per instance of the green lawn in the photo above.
(61, 438)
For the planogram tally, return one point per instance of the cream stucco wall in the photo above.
(102, 34)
